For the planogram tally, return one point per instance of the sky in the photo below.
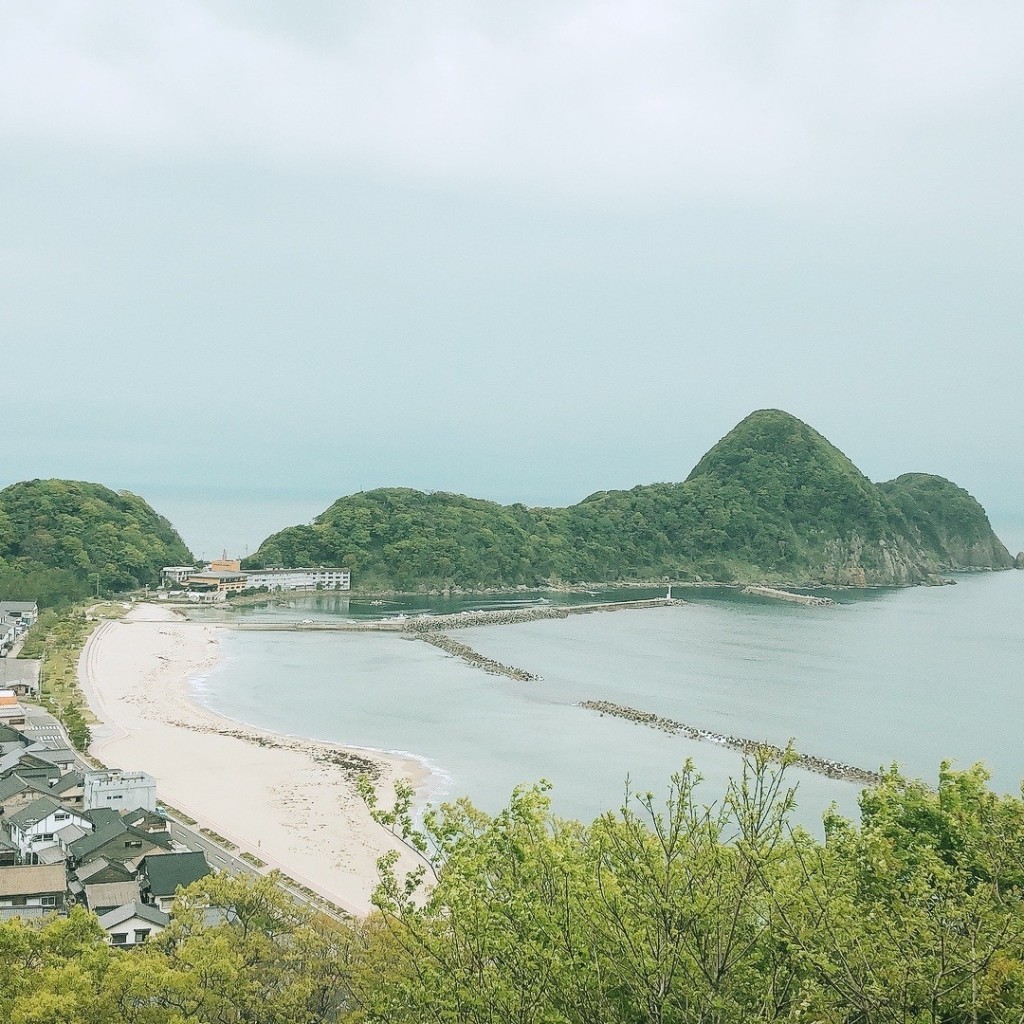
(257, 256)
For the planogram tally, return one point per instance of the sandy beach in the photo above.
(291, 802)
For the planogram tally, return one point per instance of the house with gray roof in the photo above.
(101, 897)
(22, 613)
(8, 852)
(163, 874)
(28, 762)
(33, 828)
(134, 923)
(10, 739)
(20, 675)
(118, 841)
(17, 792)
(31, 891)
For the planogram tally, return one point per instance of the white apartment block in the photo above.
(177, 573)
(299, 579)
(124, 791)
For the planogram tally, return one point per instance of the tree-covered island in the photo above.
(773, 501)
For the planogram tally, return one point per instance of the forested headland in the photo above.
(678, 908)
(62, 540)
(773, 501)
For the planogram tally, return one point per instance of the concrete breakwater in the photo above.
(810, 762)
(786, 595)
(475, 658)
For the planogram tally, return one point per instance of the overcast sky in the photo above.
(255, 256)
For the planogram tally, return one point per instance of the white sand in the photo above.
(279, 797)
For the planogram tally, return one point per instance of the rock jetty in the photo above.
(511, 616)
(810, 762)
(475, 658)
(786, 595)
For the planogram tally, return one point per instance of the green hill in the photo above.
(772, 501)
(61, 539)
(946, 520)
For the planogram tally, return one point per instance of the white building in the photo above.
(20, 613)
(133, 923)
(34, 827)
(299, 579)
(124, 791)
(176, 573)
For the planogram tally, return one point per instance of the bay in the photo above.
(910, 676)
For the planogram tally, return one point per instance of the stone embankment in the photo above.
(458, 620)
(786, 595)
(820, 765)
(464, 620)
(475, 658)
(511, 616)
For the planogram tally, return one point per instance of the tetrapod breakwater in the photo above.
(810, 762)
(475, 658)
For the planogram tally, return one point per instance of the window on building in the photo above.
(132, 844)
(18, 901)
(141, 934)
(48, 901)
(61, 817)
(119, 938)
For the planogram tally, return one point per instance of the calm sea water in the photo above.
(913, 676)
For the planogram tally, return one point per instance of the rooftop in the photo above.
(26, 880)
(35, 812)
(111, 894)
(167, 871)
(134, 909)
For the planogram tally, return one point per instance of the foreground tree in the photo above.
(683, 912)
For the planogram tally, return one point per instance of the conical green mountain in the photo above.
(61, 539)
(773, 501)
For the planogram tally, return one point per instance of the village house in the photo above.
(161, 875)
(11, 740)
(8, 637)
(31, 891)
(20, 675)
(11, 712)
(20, 613)
(101, 897)
(133, 924)
(33, 828)
(112, 839)
(8, 852)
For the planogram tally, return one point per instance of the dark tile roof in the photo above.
(166, 871)
(35, 812)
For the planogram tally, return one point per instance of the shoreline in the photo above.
(288, 800)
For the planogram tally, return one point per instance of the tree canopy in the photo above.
(673, 909)
(61, 540)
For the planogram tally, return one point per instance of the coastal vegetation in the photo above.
(63, 540)
(669, 910)
(56, 640)
(773, 501)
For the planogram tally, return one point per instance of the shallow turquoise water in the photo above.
(912, 676)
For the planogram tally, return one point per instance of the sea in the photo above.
(911, 677)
